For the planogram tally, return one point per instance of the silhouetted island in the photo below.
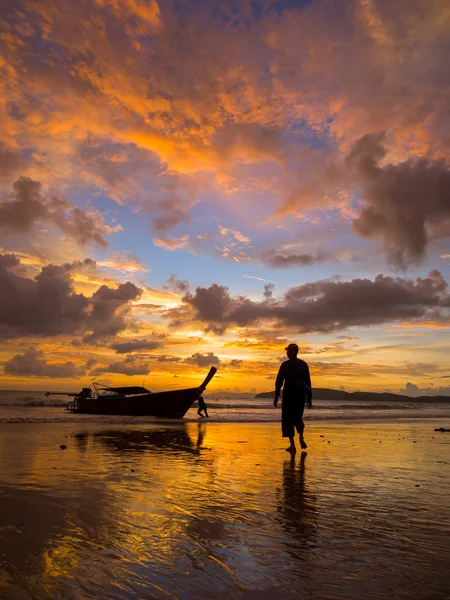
(329, 394)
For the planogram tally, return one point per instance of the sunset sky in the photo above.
(187, 183)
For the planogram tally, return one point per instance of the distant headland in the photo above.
(329, 394)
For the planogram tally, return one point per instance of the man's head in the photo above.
(292, 350)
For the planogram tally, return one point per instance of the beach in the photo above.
(220, 510)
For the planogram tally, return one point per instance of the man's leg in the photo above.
(303, 444)
(287, 426)
(292, 449)
(301, 429)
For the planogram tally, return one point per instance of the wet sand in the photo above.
(216, 510)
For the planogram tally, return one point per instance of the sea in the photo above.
(24, 406)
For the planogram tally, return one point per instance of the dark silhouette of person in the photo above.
(294, 374)
(202, 407)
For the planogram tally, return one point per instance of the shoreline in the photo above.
(85, 419)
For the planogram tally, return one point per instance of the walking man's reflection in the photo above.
(297, 508)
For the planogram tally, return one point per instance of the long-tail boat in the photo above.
(135, 400)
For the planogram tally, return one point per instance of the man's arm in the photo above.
(278, 384)
(308, 383)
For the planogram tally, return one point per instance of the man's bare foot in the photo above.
(303, 444)
(291, 449)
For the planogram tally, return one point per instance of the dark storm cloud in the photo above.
(202, 360)
(170, 359)
(47, 305)
(130, 366)
(407, 204)
(43, 306)
(27, 206)
(327, 306)
(109, 310)
(215, 306)
(33, 363)
(135, 346)
(211, 303)
(274, 258)
(331, 305)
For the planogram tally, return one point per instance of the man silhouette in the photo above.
(294, 373)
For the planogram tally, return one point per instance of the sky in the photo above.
(188, 183)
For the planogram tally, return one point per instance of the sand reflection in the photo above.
(208, 510)
(297, 508)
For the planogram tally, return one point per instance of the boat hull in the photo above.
(170, 405)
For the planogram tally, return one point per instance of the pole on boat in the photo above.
(212, 372)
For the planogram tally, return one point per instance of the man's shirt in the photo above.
(294, 373)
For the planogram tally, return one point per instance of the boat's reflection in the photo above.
(171, 439)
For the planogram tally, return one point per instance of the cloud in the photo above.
(169, 359)
(171, 243)
(129, 366)
(80, 100)
(179, 286)
(32, 364)
(406, 204)
(137, 345)
(47, 305)
(234, 234)
(202, 360)
(174, 210)
(268, 291)
(28, 207)
(216, 329)
(211, 304)
(110, 308)
(275, 259)
(326, 306)
(411, 389)
(235, 362)
(123, 261)
(254, 277)
(234, 244)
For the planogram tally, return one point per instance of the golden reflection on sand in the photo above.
(213, 510)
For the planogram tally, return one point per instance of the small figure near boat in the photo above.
(202, 407)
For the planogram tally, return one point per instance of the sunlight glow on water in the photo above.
(203, 510)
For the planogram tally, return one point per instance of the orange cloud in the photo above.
(171, 243)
